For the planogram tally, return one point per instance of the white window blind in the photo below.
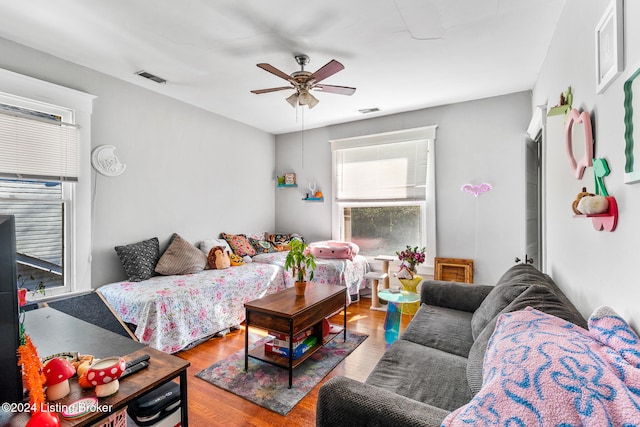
(391, 171)
(36, 148)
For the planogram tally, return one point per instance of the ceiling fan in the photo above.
(304, 81)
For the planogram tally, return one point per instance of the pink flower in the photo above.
(22, 297)
(412, 256)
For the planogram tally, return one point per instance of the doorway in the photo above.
(532, 247)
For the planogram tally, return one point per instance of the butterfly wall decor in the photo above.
(476, 189)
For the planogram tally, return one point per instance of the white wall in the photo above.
(188, 171)
(478, 141)
(593, 268)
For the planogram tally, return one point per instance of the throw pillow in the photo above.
(280, 241)
(139, 259)
(331, 252)
(261, 246)
(239, 243)
(206, 245)
(542, 370)
(257, 236)
(180, 257)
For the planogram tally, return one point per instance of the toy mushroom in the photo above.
(57, 372)
(43, 419)
(104, 375)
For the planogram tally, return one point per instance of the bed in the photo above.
(173, 312)
(331, 271)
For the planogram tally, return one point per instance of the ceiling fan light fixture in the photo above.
(293, 100)
(313, 101)
(305, 98)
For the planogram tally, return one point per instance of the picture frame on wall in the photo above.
(609, 39)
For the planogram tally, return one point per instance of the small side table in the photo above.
(396, 302)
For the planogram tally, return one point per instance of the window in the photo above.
(384, 191)
(38, 207)
(39, 169)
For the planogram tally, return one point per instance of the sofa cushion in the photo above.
(441, 328)
(181, 257)
(456, 295)
(540, 369)
(423, 374)
(139, 259)
(524, 274)
(500, 297)
(549, 300)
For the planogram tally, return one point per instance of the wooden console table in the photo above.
(55, 332)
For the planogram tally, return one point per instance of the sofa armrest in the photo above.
(346, 402)
(455, 295)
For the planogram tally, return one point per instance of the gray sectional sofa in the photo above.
(436, 365)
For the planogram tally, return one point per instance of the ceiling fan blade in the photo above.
(329, 69)
(341, 90)
(272, 89)
(273, 70)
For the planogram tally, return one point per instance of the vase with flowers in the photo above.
(410, 259)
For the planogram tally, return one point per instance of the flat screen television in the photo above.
(11, 384)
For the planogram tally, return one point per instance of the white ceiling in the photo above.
(401, 55)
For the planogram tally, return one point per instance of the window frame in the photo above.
(429, 203)
(75, 107)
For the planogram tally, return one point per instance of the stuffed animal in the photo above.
(236, 260)
(219, 258)
(580, 195)
(589, 204)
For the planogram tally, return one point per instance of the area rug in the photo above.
(267, 385)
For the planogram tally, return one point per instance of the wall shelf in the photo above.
(287, 185)
(604, 221)
(314, 199)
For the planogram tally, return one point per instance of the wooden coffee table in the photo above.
(288, 314)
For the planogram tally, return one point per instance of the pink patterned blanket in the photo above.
(540, 370)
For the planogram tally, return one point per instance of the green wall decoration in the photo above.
(631, 176)
(600, 170)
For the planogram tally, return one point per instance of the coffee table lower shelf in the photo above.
(260, 353)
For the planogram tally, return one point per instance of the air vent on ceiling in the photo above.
(151, 77)
(369, 110)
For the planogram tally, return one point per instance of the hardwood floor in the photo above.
(212, 406)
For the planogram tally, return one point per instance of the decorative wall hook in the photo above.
(476, 189)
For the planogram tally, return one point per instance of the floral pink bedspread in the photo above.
(332, 271)
(172, 312)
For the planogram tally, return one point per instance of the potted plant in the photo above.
(300, 261)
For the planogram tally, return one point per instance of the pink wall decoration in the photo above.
(476, 189)
(579, 165)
